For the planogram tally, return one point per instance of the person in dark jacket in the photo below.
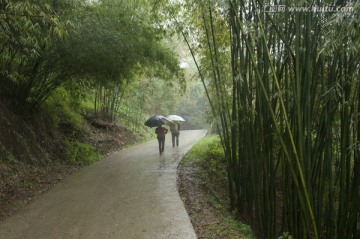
(161, 132)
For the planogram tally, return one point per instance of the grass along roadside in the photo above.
(202, 184)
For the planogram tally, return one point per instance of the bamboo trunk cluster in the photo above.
(289, 120)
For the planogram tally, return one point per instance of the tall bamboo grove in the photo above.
(289, 113)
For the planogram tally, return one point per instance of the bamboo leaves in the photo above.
(108, 43)
(293, 117)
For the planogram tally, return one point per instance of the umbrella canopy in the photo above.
(175, 118)
(156, 121)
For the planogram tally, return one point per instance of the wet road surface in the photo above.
(131, 194)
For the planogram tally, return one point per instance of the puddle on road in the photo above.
(168, 160)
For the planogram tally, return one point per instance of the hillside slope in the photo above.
(34, 153)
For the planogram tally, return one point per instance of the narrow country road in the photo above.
(130, 194)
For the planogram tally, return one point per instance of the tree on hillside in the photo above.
(120, 45)
(105, 43)
(28, 28)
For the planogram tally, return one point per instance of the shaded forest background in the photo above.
(71, 63)
(281, 87)
(78, 79)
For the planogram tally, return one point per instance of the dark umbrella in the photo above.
(156, 121)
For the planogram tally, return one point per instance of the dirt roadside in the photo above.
(203, 187)
(21, 183)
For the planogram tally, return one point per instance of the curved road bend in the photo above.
(131, 194)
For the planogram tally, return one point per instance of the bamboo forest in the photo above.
(277, 80)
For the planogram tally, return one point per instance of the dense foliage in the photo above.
(77, 59)
(283, 85)
(282, 82)
(101, 45)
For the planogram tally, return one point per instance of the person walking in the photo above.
(161, 132)
(175, 132)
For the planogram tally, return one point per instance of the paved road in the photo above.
(132, 194)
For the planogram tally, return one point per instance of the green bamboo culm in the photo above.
(292, 123)
(311, 109)
(284, 93)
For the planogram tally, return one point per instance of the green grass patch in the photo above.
(228, 227)
(207, 147)
(80, 154)
(206, 163)
(5, 155)
(63, 109)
